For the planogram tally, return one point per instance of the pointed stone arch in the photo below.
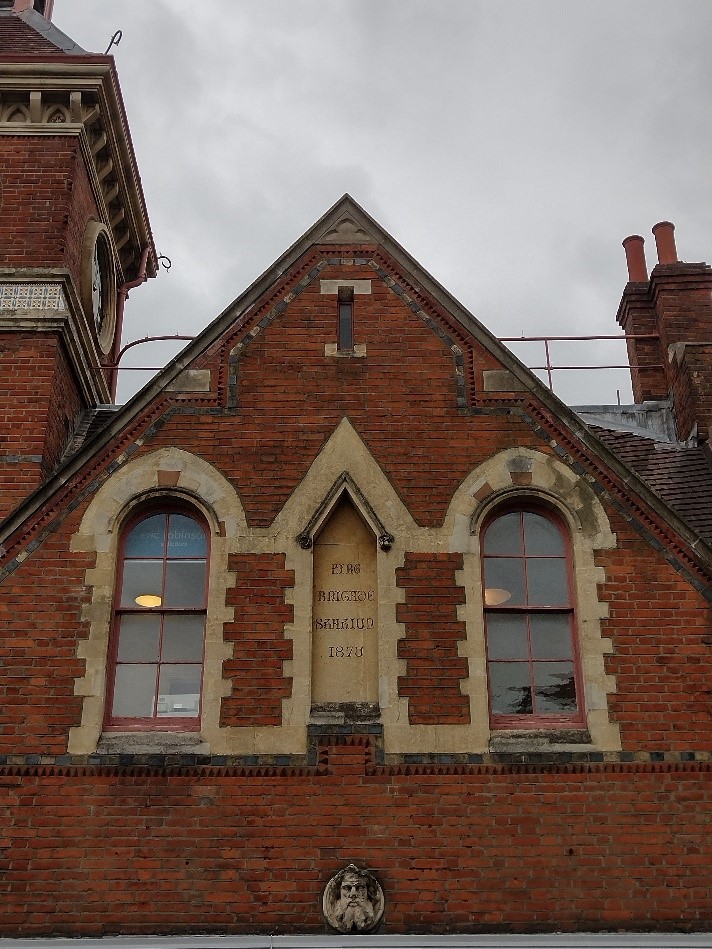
(344, 486)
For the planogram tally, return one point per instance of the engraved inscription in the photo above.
(344, 610)
(345, 652)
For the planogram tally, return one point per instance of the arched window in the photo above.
(532, 658)
(159, 623)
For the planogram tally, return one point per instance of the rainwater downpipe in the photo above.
(121, 297)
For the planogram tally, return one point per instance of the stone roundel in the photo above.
(353, 901)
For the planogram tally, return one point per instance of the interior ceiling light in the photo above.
(495, 597)
(148, 599)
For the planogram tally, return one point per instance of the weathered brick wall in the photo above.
(258, 683)
(46, 204)
(691, 389)
(604, 847)
(607, 845)
(662, 649)
(430, 647)
(82, 209)
(683, 302)
(401, 399)
(39, 401)
(64, 408)
(40, 626)
(637, 317)
(38, 177)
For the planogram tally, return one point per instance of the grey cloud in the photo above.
(509, 146)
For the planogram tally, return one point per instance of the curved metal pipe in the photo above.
(121, 297)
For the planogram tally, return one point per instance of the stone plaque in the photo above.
(353, 901)
(345, 610)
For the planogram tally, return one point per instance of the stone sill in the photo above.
(541, 740)
(152, 743)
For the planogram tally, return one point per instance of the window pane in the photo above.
(185, 583)
(346, 326)
(546, 582)
(179, 691)
(186, 538)
(139, 637)
(183, 638)
(510, 689)
(134, 691)
(146, 539)
(550, 636)
(141, 577)
(555, 687)
(504, 575)
(507, 636)
(542, 538)
(503, 536)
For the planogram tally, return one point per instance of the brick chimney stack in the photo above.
(673, 309)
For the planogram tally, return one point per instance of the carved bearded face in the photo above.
(353, 909)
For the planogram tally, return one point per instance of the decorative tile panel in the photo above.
(32, 296)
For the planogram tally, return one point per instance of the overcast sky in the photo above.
(508, 145)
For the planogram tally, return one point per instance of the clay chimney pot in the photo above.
(635, 258)
(664, 233)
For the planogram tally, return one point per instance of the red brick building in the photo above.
(345, 583)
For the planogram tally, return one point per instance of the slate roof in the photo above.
(29, 34)
(681, 475)
(90, 425)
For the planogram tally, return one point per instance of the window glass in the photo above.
(507, 636)
(542, 538)
(504, 536)
(186, 538)
(179, 690)
(185, 583)
(547, 583)
(159, 625)
(555, 687)
(141, 578)
(346, 340)
(550, 635)
(183, 637)
(529, 621)
(139, 638)
(506, 576)
(134, 691)
(510, 688)
(147, 538)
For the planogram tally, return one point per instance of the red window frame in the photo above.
(527, 610)
(154, 722)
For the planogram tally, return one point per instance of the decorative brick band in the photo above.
(487, 763)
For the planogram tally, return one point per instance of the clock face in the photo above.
(97, 289)
(99, 285)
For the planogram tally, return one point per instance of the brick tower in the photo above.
(74, 237)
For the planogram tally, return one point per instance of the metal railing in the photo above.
(549, 367)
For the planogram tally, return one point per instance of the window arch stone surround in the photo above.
(514, 477)
(168, 473)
